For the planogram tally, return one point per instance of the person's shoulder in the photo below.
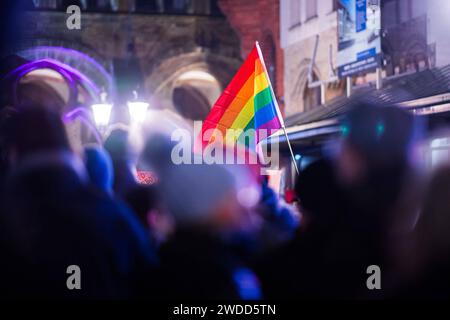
(131, 228)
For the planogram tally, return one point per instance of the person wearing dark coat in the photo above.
(299, 269)
(137, 196)
(99, 168)
(199, 261)
(356, 210)
(51, 219)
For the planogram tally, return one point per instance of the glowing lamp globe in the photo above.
(138, 111)
(102, 113)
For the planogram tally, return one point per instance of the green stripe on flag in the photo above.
(263, 98)
(244, 139)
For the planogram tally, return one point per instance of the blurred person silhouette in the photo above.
(118, 147)
(210, 206)
(51, 219)
(99, 168)
(149, 207)
(157, 153)
(205, 204)
(37, 93)
(425, 274)
(279, 221)
(124, 158)
(381, 190)
(276, 223)
(29, 92)
(8, 64)
(299, 269)
(6, 114)
(145, 200)
(357, 207)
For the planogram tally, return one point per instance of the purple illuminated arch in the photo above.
(72, 78)
(87, 65)
(84, 116)
(69, 74)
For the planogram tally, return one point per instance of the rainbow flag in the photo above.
(248, 102)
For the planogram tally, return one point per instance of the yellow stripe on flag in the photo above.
(260, 83)
(245, 115)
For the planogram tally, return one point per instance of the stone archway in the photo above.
(89, 78)
(190, 102)
(301, 98)
(194, 92)
(311, 96)
(197, 77)
(94, 67)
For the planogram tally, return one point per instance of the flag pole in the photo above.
(290, 149)
(279, 115)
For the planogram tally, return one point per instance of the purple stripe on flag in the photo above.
(265, 130)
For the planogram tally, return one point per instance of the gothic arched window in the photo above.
(311, 96)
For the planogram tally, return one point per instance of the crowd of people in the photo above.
(216, 231)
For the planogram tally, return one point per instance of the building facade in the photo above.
(259, 20)
(302, 21)
(412, 72)
(409, 31)
(179, 54)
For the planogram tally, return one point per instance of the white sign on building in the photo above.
(359, 44)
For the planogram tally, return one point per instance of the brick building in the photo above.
(259, 20)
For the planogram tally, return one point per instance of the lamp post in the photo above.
(137, 110)
(102, 112)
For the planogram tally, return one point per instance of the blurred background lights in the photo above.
(102, 111)
(137, 110)
(380, 129)
(248, 196)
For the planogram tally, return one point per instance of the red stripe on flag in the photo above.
(244, 72)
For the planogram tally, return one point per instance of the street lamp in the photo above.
(137, 109)
(102, 111)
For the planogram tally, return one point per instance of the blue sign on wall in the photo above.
(360, 17)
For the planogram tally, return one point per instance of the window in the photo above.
(439, 152)
(311, 96)
(405, 10)
(66, 3)
(178, 6)
(45, 4)
(389, 14)
(149, 6)
(294, 18)
(395, 12)
(199, 7)
(102, 5)
(311, 9)
(269, 54)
